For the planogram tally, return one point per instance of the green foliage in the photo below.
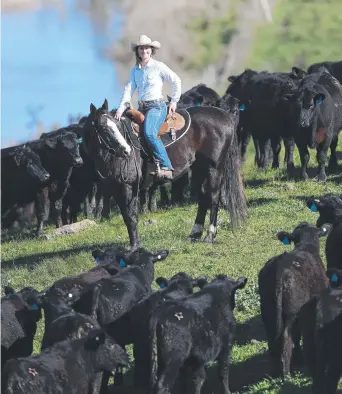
(303, 32)
(208, 37)
(274, 204)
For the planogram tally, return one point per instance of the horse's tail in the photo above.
(233, 192)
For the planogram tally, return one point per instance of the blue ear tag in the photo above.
(197, 104)
(319, 100)
(35, 307)
(314, 208)
(162, 285)
(334, 278)
(242, 107)
(122, 263)
(286, 241)
(80, 140)
(97, 259)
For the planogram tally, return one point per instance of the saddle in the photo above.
(173, 122)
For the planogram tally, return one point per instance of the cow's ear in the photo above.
(198, 100)
(324, 230)
(97, 254)
(298, 72)
(313, 204)
(51, 142)
(105, 105)
(240, 283)
(319, 98)
(92, 109)
(94, 339)
(160, 255)
(284, 237)
(289, 97)
(335, 277)
(34, 303)
(232, 78)
(162, 282)
(200, 282)
(9, 290)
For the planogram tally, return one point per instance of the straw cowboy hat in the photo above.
(144, 40)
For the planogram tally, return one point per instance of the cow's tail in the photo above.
(232, 191)
(153, 352)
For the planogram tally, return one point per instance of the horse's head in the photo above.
(104, 133)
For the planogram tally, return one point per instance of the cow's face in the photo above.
(68, 291)
(105, 352)
(309, 102)
(305, 233)
(66, 147)
(30, 163)
(329, 208)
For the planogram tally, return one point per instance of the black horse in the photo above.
(210, 146)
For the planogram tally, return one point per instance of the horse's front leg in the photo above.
(213, 197)
(127, 200)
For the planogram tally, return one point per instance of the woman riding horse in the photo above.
(148, 76)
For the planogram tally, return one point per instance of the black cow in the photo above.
(22, 177)
(330, 211)
(191, 332)
(315, 109)
(321, 324)
(286, 283)
(18, 323)
(264, 114)
(66, 367)
(198, 95)
(335, 69)
(133, 327)
(59, 155)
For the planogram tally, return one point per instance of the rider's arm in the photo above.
(128, 91)
(168, 75)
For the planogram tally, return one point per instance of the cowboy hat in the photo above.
(144, 40)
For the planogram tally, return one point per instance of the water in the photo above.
(52, 66)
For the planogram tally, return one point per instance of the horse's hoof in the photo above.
(321, 178)
(196, 237)
(209, 238)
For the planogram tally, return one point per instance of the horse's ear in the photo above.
(92, 109)
(105, 105)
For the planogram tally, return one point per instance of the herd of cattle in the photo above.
(301, 108)
(91, 317)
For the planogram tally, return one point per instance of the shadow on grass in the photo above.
(255, 202)
(252, 329)
(34, 259)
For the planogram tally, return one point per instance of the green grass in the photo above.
(274, 204)
(303, 32)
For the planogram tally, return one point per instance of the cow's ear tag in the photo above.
(97, 260)
(162, 285)
(314, 207)
(197, 104)
(286, 241)
(35, 307)
(319, 100)
(242, 107)
(334, 278)
(80, 140)
(122, 263)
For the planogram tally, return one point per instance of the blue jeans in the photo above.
(154, 117)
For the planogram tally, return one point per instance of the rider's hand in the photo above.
(118, 113)
(172, 107)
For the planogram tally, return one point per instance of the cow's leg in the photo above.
(288, 159)
(320, 367)
(127, 200)
(257, 151)
(263, 153)
(322, 151)
(104, 382)
(286, 353)
(152, 197)
(333, 164)
(164, 196)
(244, 138)
(275, 143)
(144, 200)
(304, 158)
(41, 210)
(198, 378)
(297, 351)
(167, 377)
(214, 185)
(224, 361)
(332, 378)
(203, 205)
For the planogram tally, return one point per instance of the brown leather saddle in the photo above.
(173, 122)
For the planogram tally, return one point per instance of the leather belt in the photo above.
(149, 102)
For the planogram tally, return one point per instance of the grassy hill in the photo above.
(303, 32)
(274, 204)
